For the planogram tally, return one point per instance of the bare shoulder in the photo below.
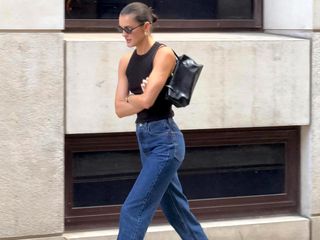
(124, 60)
(165, 50)
(165, 54)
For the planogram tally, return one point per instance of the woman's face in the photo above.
(132, 31)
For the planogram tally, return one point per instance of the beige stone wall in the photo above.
(31, 119)
(289, 14)
(310, 161)
(32, 106)
(31, 126)
(248, 80)
(31, 14)
(316, 14)
(46, 238)
(315, 126)
(315, 228)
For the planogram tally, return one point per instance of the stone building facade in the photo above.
(47, 91)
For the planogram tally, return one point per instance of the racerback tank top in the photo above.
(139, 68)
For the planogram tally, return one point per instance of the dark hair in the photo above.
(142, 12)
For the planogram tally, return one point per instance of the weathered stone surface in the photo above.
(30, 14)
(248, 80)
(31, 140)
(289, 14)
(46, 238)
(316, 14)
(315, 125)
(315, 228)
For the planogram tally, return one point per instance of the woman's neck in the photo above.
(145, 45)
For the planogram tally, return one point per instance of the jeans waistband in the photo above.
(158, 120)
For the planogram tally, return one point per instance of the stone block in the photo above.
(30, 14)
(289, 14)
(316, 14)
(248, 80)
(32, 134)
(315, 228)
(315, 126)
(46, 238)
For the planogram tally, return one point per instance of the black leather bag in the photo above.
(182, 81)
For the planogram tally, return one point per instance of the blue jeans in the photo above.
(162, 150)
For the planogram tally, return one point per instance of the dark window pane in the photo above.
(166, 9)
(105, 178)
(232, 171)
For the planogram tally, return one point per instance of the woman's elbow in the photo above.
(119, 113)
(147, 103)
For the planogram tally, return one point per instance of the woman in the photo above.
(141, 79)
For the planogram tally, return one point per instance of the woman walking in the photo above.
(140, 90)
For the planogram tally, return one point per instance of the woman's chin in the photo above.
(129, 43)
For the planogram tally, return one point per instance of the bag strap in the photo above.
(175, 54)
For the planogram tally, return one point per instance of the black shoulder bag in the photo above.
(182, 81)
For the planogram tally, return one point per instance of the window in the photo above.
(86, 15)
(225, 173)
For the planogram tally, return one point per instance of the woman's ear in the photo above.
(147, 28)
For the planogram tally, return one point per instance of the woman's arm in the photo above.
(163, 65)
(122, 107)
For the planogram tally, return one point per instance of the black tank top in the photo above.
(140, 67)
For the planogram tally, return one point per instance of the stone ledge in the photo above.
(185, 37)
(315, 227)
(280, 228)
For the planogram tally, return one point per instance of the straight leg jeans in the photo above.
(162, 150)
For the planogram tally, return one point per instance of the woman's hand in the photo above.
(163, 64)
(144, 84)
